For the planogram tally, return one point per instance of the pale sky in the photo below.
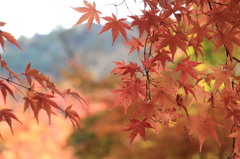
(27, 17)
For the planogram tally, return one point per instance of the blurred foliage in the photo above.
(101, 138)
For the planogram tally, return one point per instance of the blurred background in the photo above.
(75, 58)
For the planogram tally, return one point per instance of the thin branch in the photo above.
(20, 85)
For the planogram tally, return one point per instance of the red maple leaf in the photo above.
(9, 38)
(38, 101)
(227, 38)
(44, 101)
(186, 68)
(75, 95)
(123, 69)
(90, 13)
(149, 64)
(137, 127)
(116, 25)
(236, 136)
(130, 92)
(203, 127)
(37, 76)
(220, 76)
(73, 116)
(142, 23)
(7, 115)
(163, 57)
(135, 43)
(5, 89)
(173, 41)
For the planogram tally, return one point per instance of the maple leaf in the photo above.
(220, 76)
(34, 74)
(117, 26)
(169, 10)
(76, 95)
(137, 127)
(174, 41)
(29, 101)
(142, 23)
(203, 127)
(5, 89)
(235, 113)
(148, 109)
(130, 92)
(90, 13)
(135, 43)
(163, 57)
(8, 37)
(200, 31)
(167, 116)
(7, 115)
(227, 38)
(44, 101)
(123, 69)
(236, 135)
(163, 96)
(118, 69)
(38, 101)
(73, 116)
(149, 64)
(230, 98)
(188, 87)
(186, 68)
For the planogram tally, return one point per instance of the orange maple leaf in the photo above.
(163, 56)
(227, 38)
(174, 41)
(142, 23)
(135, 43)
(38, 101)
(77, 96)
(137, 127)
(37, 76)
(90, 13)
(7, 115)
(203, 127)
(9, 38)
(236, 136)
(186, 67)
(130, 92)
(44, 101)
(73, 116)
(117, 26)
(5, 89)
(220, 76)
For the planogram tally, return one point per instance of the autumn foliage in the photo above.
(171, 85)
(35, 89)
(172, 82)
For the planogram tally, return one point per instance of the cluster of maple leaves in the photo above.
(161, 88)
(164, 89)
(23, 85)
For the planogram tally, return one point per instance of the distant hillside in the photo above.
(49, 53)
